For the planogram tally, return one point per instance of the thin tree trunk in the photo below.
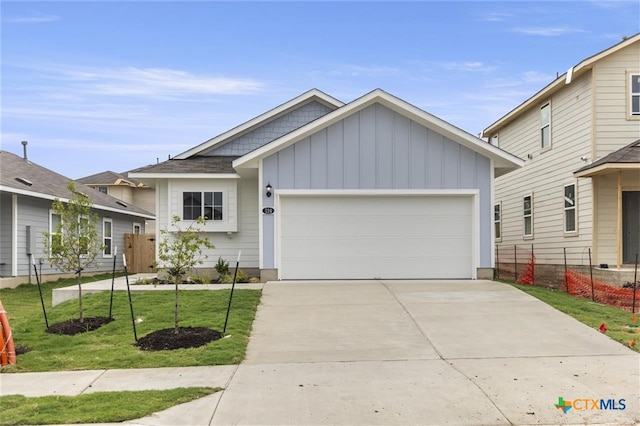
(175, 312)
(80, 296)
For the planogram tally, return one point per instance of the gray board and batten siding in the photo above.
(378, 149)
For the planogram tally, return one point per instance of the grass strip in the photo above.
(620, 324)
(99, 407)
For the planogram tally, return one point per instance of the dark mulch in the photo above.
(186, 337)
(20, 350)
(74, 326)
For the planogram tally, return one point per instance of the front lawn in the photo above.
(620, 324)
(112, 345)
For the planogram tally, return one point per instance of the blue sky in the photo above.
(116, 85)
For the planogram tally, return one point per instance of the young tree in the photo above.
(73, 245)
(179, 251)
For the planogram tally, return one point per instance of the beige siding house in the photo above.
(577, 195)
(129, 191)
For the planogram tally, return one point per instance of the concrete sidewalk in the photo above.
(392, 353)
(63, 294)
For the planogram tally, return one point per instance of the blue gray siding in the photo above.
(378, 148)
(272, 130)
(6, 219)
(34, 212)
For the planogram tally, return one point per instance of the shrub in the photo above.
(222, 267)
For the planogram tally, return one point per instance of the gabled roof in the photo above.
(503, 161)
(313, 95)
(626, 158)
(190, 167)
(20, 176)
(110, 178)
(558, 84)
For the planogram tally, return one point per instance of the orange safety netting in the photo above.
(528, 277)
(578, 284)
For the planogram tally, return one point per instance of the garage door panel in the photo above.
(360, 237)
(350, 225)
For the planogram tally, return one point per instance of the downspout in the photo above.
(619, 231)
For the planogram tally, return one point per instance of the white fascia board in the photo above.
(607, 168)
(254, 122)
(66, 200)
(186, 175)
(502, 158)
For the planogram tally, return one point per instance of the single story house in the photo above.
(319, 189)
(27, 191)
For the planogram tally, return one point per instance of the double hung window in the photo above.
(527, 214)
(545, 126)
(570, 211)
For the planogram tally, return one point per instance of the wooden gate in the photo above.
(140, 250)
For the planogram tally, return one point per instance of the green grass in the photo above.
(112, 345)
(99, 407)
(619, 323)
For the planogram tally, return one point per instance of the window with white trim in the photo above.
(206, 204)
(570, 209)
(527, 215)
(634, 94)
(497, 220)
(215, 199)
(545, 126)
(55, 237)
(107, 237)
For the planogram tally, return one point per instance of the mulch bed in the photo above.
(160, 340)
(74, 326)
(186, 337)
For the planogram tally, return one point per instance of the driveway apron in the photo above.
(424, 352)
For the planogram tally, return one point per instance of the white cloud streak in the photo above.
(31, 19)
(546, 31)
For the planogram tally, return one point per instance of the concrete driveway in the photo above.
(424, 352)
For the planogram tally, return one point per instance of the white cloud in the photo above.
(546, 31)
(495, 17)
(31, 19)
(468, 66)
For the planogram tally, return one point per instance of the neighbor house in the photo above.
(27, 191)
(578, 195)
(319, 189)
(124, 188)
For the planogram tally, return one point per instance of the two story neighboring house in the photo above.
(319, 189)
(27, 191)
(578, 194)
(124, 188)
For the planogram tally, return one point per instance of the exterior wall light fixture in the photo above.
(269, 188)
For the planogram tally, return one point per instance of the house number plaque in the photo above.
(268, 210)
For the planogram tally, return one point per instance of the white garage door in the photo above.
(375, 236)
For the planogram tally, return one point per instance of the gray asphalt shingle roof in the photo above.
(106, 178)
(48, 184)
(626, 155)
(195, 164)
